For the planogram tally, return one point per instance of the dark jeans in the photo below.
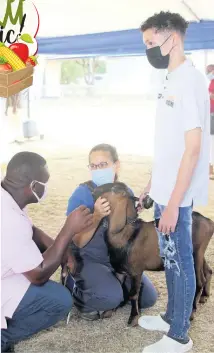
(177, 253)
(96, 286)
(41, 307)
(97, 289)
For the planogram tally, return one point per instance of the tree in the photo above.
(87, 68)
(70, 72)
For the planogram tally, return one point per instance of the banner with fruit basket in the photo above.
(19, 25)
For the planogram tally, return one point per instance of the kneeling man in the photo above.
(30, 302)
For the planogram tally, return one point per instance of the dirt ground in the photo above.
(68, 168)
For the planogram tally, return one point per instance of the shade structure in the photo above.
(200, 35)
(73, 17)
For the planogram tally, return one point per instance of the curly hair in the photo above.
(166, 21)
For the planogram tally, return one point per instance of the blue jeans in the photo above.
(98, 289)
(40, 308)
(177, 253)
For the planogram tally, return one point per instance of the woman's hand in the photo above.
(102, 208)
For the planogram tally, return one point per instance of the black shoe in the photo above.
(7, 347)
(94, 315)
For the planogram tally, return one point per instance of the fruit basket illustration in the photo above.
(16, 67)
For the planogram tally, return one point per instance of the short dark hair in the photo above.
(24, 167)
(104, 147)
(166, 21)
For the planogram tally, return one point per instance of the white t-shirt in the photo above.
(183, 105)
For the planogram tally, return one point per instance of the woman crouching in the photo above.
(97, 290)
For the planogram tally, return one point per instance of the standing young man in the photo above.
(180, 173)
(210, 76)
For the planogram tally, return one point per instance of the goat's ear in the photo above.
(118, 216)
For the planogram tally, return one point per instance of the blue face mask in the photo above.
(103, 176)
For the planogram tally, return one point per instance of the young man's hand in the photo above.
(143, 196)
(169, 220)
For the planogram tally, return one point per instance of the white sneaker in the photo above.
(168, 345)
(153, 323)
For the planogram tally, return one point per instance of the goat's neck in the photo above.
(120, 239)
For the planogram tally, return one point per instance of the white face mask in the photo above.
(210, 76)
(39, 199)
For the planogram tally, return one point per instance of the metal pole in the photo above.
(205, 59)
(191, 11)
(28, 104)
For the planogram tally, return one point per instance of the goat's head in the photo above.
(122, 203)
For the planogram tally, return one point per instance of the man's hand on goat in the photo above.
(102, 207)
(68, 263)
(169, 220)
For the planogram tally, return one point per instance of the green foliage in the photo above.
(100, 67)
(72, 70)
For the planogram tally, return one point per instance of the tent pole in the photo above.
(205, 59)
(28, 104)
(191, 11)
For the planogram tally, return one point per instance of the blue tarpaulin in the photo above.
(200, 35)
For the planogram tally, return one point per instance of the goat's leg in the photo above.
(195, 301)
(108, 314)
(122, 278)
(208, 275)
(206, 290)
(200, 280)
(134, 297)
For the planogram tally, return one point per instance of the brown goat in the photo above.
(133, 244)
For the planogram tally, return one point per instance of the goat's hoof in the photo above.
(203, 300)
(192, 315)
(133, 321)
(106, 314)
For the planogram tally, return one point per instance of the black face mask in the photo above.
(156, 58)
